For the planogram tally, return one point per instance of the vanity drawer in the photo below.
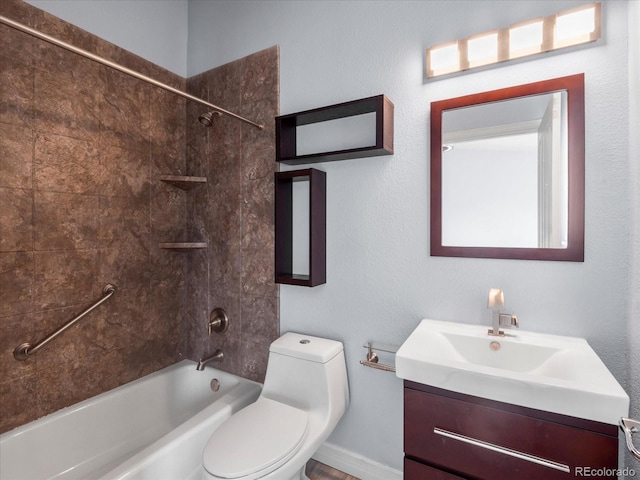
(418, 471)
(480, 441)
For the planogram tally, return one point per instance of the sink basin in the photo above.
(546, 372)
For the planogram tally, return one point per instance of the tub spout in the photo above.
(217, 355)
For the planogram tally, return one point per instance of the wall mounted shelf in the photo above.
(183, 245)
(286, 134)
(182, 181)
(317, 227)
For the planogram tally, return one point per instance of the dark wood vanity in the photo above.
(450, 436)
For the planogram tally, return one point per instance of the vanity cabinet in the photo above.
(450, 436)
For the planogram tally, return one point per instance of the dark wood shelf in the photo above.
(286, 135)
(317, 227)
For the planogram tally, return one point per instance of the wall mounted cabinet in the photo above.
(284, 227)
(287, 134)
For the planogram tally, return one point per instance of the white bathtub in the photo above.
(153, 428)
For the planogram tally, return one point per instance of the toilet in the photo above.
(304, 396)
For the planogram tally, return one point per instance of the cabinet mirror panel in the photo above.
(507, 173)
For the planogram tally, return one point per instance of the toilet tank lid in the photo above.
(307, 347)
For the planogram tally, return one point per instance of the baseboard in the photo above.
(354, 464)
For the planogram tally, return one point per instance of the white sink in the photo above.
(546, 372)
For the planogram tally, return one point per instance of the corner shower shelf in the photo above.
(183, 245)
(182, 181)
(317, 227)
(286, 135)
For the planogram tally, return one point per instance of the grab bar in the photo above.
(629, 427)
(25, 350)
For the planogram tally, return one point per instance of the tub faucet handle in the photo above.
(218, 321)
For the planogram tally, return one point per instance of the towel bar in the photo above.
(372, 357)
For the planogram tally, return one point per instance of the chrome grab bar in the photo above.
(629, 427)
(25, 350)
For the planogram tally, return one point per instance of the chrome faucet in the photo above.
(495, 302)
(217, 355)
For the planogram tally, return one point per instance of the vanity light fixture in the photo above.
(564, 29)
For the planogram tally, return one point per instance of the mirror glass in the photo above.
(508, 173)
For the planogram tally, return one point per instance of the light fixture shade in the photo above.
(482, 49)
(526, 38)
(575, 27)
(443, 59)
(565, 29)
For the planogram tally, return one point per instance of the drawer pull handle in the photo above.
(506, 451)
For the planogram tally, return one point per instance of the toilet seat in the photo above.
(255, 441)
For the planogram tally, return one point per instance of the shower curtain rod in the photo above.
(120, 68)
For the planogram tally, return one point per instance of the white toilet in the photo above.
(304, 396)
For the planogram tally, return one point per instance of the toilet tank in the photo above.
(307, 372)
(306, 347)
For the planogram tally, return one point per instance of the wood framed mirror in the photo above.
(507, 173)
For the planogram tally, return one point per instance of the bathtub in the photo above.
(153, 428)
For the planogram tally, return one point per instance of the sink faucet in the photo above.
(495, 302)
(217, 355)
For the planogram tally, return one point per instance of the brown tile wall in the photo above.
(234, 213)
(81, 149)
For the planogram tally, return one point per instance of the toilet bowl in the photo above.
(304, 396)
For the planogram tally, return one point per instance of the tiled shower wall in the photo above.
(81, 149)
(234, 214)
